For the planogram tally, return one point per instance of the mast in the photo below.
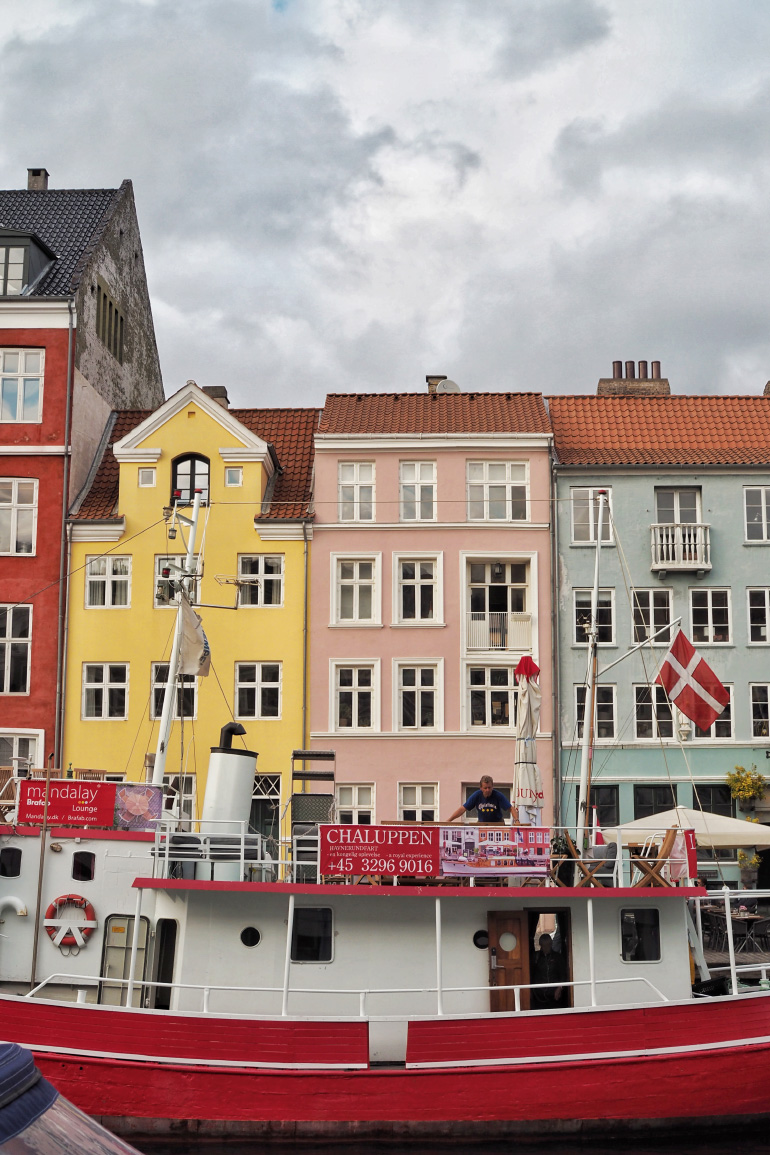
(586, 748)
(187, 581)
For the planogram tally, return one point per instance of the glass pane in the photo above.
(8, 403)
(688, 505)
(96, 593)
(519, 503)
(269, 701)
(476, 501)
(426, 602)
(21, 622)
(364, 795)
(5, 531)
(408, 708)
(410, 507)
(665, 505)
(26, 491)
(407, 570)
(98, 565)
(409, 676)
(408, 602)
(17, 683)
(11, 362)
(427, 714)
(247, 673)
(754, 527)
(24, 531)
(364, 708)
(346, 602)
(426, 501)
(427, 677)
(365, 472)
(270, 673)
(365, 503)
(31, 398)
(409, 795)
(497, 502)
(116, 673)
(497, 471)
(32, 361)
(498, 677)
(346, 676)
(347, 471)
(408, 471)
(365, 570)
(476, 471)
(364, 677)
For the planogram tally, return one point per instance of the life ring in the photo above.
(69, 931)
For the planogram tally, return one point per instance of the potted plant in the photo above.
(746, 786)
(749, 864)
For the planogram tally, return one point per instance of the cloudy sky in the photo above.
(348, 194)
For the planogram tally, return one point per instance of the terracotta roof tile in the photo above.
(722, 430)
(362, 413)
(102, 497)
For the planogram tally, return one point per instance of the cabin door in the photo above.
(116, 959)
(508, 958)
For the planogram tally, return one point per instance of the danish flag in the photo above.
(691, 684)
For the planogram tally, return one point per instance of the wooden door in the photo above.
(508, 958)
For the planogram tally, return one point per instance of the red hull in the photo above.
(704, 1062)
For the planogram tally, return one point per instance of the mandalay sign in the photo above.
(119, 805)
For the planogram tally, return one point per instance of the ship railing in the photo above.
(214, 841)
(362, 994)
(728, 923)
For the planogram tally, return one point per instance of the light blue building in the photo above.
(688, 485)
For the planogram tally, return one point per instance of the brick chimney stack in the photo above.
(218, 393)
(433, 382)
(629, 385)
(37, 180)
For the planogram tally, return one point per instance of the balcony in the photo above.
(499, 631)
(680, 546)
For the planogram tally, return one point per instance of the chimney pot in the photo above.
(433, 380)
(37, 179)
(218, 393)
(630, 370)
(656, 370)
(617, 370)
(643, 371)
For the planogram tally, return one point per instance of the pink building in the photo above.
(431, 579)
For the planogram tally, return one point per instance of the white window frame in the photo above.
(435, 664)
(418, 483)
(335, 665)
(710, 590)
(7, 640)
(719, 721)
(261, 579)
(105, 686)
(357, 805)
(17, 734)
(177, 561)
(488, 688)
(578, 730)
(585, 590)
(20, 377)
(486, 482)
(335, 560)
(419, 804)
(765, 591)
(592, 491)
(357, 484)
(16, 507)
(765, 523)
(188, 795)
(650, 591)
(438, 589)
(146, 477)
(658, 699)
(108, 577)
(258, 685)
(189, 680)
(233, 476)
(766, 687)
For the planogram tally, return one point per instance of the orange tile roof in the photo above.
(362, 413)
(289, 431)
(722, 430)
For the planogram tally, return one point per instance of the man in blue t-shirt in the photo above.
(492, 806)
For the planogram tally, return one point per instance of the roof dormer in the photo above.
(23, 260)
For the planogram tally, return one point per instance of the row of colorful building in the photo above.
(370, 572)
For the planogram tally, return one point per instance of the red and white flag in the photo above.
(691, 684)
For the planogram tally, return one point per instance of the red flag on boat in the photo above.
(691, 684)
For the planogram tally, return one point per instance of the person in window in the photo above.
(492, 806)
(548, 967)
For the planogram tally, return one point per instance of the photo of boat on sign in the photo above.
(468, 851)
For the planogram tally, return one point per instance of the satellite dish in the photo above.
(447, 387)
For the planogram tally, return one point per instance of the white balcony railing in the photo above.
(680, 546)
(499, 631)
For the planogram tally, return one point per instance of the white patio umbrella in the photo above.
(711, 830)
(527, 780)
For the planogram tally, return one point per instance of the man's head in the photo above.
(546, 943)
(487, 785)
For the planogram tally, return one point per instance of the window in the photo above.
(110, 322)
(83, 865)
(188, 474)
(652, 713)
(355, 590)
(186, 704)
(21, 384)
(604, 717)
(18, 506)
(356, 490)
(653, 799)
(311, 934)
(354, 695)
(15, 641)
(714, 800)
(491, 696)
(12, 269)
(760, 711)
(418, 704)
(759, 615)
(418, 802)
(10, 862)
(418, 591)
(497, 491)
(261, 576)
(355, 804)
(179, 794)
(418, 491)
(652, 612)
(604, 613)
(233, 476)
(640, 935)
(258, 689)
(677, 506)
(471, 788)
(605, 799)
(722, 727)
(584, 504)
(146, 478)
(108, 582)
(710, 611)
(497, 590)
(18, 751)
(167, 585)
(105, 690)
(757, 513)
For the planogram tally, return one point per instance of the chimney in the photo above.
(37, 180)
(652, 385)
(767, 390)
(218, 393)
(433, 381)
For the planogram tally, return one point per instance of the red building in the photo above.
(76, 341)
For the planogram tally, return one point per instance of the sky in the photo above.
(347, 195)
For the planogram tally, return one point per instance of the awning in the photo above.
(711, 830)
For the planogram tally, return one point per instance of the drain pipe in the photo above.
(556, 719)
(58, 716)
(66, 642)
(305, 561)
(16, 903)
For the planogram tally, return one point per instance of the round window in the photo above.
(508, 941)
(481, 939)
(250, 936)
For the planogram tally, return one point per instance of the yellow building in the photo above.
(254, 468)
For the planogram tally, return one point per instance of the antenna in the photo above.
(447, 387)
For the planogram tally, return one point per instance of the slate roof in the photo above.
(675, 430)
(362, 413)
(289, 431)
(69, 221)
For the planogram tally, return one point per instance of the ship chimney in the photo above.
(645, 385)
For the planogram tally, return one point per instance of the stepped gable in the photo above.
(70, 221)
(678, 430)
(363, 413)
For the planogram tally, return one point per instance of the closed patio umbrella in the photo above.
(527, 780)
(711, 830)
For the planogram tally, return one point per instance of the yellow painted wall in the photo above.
(142, 633)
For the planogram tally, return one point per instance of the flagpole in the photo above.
(586, 749)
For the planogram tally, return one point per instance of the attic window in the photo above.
(23, 258)
(110, 322)
(189, 473)
(12, 269)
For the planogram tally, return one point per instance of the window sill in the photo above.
(591, 545)
(356, 626)
(418, 625)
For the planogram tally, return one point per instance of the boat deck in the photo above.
(721, 958)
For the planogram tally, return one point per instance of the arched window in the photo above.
(189, 473)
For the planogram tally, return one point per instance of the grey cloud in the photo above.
(542, 32)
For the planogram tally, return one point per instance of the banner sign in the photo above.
(392, 850)
(494, 850)
(120, 806)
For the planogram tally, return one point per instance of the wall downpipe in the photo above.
(66, 643)
(555, 721)
(305, 566)
(58, 712)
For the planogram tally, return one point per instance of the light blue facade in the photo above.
(628, 756)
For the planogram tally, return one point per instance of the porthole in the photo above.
(508, 941)
(250, 936)
(481, 939)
